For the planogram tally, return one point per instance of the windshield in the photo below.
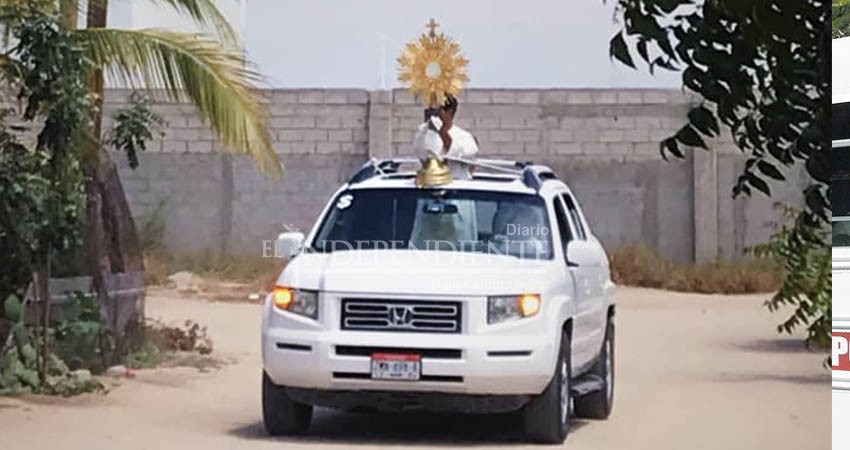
(445, 220)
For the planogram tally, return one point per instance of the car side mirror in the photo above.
(581, 253)
(289, 243)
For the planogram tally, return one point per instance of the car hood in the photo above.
(415, 272)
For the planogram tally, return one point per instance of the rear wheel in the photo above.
(598, 404)
(281, 414)
(547, 416)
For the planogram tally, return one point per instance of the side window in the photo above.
(563, 223)
(576, 217)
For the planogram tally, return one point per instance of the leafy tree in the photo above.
(41, 186)
(809, 285)
(840, 18)
(207, 69)
(134, 127)
(762, 71)
(40, 211)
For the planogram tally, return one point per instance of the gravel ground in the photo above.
(693, 371)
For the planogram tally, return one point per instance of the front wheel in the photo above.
(281, 414)
(547, 416)
(598, 404)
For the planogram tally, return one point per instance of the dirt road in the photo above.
(694, 371)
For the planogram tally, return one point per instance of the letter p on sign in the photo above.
(840, 349)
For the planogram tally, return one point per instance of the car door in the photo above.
(593, 309)
(580, 284)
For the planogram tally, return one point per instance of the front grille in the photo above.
(401, 315)
(431, 353)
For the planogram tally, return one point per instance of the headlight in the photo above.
(508, 307)
(305, 303)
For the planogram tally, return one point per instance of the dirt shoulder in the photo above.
(693, 371)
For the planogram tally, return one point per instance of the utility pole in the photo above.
(382, 70)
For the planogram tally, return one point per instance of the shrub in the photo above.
(152, 230)
(19, 371)
(82, 341)
(804, 250)
(256, 270)
(155, 344)
(638, 265)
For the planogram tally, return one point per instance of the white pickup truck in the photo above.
(488, 294)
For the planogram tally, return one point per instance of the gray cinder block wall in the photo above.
(604, 143)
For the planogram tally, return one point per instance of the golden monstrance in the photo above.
(432, 66)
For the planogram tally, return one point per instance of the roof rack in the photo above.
(532, 175)
(381, 167)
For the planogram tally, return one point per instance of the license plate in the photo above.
(391, 366)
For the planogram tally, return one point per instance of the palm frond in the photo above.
(217, 80)
(206, 14)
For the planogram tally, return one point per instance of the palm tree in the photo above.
(205, 68)
(211, 73)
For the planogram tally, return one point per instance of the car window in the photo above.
(841, 231)
(449, 219)
(575, 215)
(563, 224)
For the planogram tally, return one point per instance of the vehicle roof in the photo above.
(481, 181)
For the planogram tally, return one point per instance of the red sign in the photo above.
(408, 357)
(841, 350)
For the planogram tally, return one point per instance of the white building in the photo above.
(334, 43)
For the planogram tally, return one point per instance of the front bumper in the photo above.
(408, 401)
(512, 359)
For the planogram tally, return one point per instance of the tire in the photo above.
(598, 404)
(546, 418)
(282, 415)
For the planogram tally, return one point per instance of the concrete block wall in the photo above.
(600, 125)
(219, 202)
(604, 143)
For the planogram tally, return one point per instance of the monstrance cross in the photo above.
(432, 24)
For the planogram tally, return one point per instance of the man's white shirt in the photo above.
(458, 227)
(428, 141)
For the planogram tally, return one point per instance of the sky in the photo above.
(354, 44)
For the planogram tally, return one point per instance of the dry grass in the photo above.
(637, 265)
(632, 265)
(253, 270)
